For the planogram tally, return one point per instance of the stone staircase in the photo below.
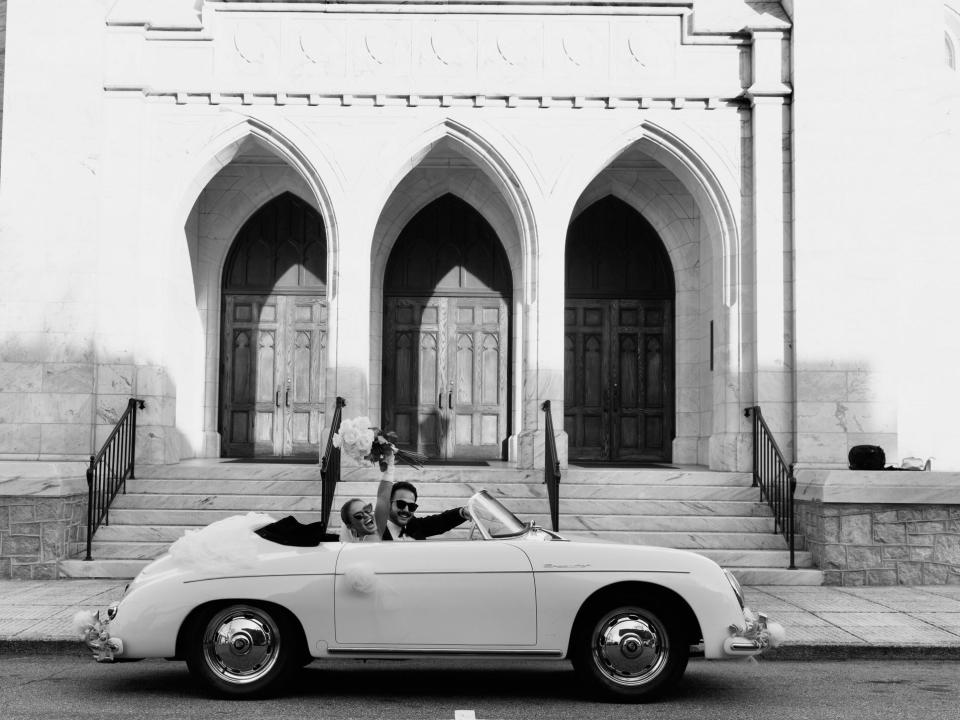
(716, 514)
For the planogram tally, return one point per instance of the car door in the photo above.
(409, 595)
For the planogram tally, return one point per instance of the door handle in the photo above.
(277, 399)
(440, 401)
(450, 400)
(286, 398)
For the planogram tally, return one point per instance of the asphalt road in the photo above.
(58, 686)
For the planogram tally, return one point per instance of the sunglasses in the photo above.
(368, 510)
(404, 505)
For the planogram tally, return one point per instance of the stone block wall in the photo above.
(883, 544)
(36, 532)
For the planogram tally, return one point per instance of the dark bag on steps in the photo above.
(866, 457)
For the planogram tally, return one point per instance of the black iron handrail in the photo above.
(330, 468)
(551, 467)
(774, 476)
(109, 470)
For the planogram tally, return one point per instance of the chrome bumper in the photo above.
(754, 636)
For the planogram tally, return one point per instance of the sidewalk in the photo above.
(821, 622)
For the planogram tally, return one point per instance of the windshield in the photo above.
(493, 519)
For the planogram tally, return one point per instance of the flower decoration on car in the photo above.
(366, 443)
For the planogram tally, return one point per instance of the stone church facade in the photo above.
(651, 214)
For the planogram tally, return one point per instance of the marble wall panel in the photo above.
(65, 439)
(21, 377)
(68, 378)
(116, 379)
(59, 408)
(20, 439)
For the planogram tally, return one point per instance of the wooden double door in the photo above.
(618, 390)
(272, 376)
(445, 374)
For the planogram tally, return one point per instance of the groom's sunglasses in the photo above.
(404, 505)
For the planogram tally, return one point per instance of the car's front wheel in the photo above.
(241, 650)
(629, 653)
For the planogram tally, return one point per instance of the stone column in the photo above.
(772, 252)
(351, 327)
(544, 348)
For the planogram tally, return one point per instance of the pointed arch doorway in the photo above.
(446, 326)
(274, 333)
(619, 337)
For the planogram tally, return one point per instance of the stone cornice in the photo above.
(459, 100)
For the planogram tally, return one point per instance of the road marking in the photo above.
(464, 715)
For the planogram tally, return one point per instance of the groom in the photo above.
(402, 524)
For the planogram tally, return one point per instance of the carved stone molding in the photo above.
(279, 98)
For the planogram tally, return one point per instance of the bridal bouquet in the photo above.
(358, 439)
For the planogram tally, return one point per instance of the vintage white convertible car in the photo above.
(628, 617)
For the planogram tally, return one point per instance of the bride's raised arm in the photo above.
(382, 511)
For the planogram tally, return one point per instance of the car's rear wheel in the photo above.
(242, 650)
(629, 653)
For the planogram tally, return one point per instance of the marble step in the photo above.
(436, 489)
(114, 569)
(746, 558)
(684, 540)
(733, 541)
(716, 508)
(703, 496)
(207, 472)
(633, 523)
(777, 576)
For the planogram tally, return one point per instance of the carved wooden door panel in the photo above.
(477, 385)
(617, 367)
(271, 392)
(641, 407)
(445, 375)
(586, 395)
(305, 342)
(414, 372)
(250, 405)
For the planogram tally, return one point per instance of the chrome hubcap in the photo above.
(629, 648)
(241, 644)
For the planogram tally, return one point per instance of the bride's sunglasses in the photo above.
(404, 505)
(362, 515)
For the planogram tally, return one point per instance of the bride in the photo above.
(357, 522)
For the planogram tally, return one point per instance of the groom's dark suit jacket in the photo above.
(420, 528)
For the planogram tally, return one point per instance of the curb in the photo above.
(12, 646)
(808, 653)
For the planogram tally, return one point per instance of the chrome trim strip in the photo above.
(483, 653)
(252, 576)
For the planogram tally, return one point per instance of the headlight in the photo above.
(112, 610)
(735, 584)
